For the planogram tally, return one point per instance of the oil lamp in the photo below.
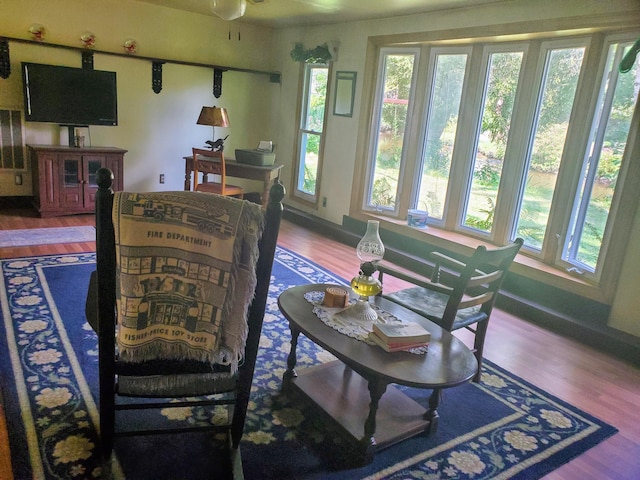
(370, 251)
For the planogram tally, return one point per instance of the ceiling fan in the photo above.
(231, 9)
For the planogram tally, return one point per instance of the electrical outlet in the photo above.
(162, 178)
(324, 201)
(18, 179)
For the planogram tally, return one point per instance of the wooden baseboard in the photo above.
(606, 339)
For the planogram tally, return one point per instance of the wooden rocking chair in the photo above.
(121, 376)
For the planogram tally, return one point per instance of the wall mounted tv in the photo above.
(69, 96)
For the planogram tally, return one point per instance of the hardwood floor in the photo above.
(16, 219)
(605, 387)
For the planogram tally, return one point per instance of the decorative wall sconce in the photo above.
(130, 46)
(88, 40)
(37, 32)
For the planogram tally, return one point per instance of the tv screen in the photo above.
(69, 96)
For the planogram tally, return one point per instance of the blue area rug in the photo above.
(502, 428)
(46, 236)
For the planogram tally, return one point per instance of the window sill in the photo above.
(523, 265)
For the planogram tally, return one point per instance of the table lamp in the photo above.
(215, 117)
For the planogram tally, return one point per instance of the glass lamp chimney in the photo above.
(370, 248)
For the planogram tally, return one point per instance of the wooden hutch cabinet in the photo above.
(64, 178)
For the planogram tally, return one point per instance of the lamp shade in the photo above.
(214, 116)
(228, 9)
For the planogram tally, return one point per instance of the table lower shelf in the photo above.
(343, 395)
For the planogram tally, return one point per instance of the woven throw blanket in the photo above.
(186, 275)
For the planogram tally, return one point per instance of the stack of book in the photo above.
(397, 337)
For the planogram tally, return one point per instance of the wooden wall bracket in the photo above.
(217, 82)
(87, 59)
(5, 63)
(156, 76)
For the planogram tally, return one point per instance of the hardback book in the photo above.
(401, 332)
(395, 347)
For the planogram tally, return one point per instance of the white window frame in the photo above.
(425, 119)
(576, 266)
(545, 49)
(302, 130)
(509, 173)
(519, 142)
(376, 118)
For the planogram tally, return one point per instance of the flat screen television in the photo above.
(69, 96)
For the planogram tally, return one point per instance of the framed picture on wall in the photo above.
(345, 93)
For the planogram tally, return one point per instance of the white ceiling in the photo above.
(286, 13)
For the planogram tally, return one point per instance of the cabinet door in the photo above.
(90, 166)
(71, 181)
(114, 163)
(46, 181)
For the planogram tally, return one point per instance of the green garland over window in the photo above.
(319, 54)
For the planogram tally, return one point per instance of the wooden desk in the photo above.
(240, 170)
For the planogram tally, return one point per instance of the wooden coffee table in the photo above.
(350, 391)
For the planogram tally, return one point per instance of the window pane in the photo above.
(316, 99)
(312, 124)
(442, 124)
(602, 165)
(93, 167)
(491, 144)
(396, 89)
(558, 93)
(308, 163)
(71, 173)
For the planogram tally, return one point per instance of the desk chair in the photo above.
(214, 164)
(208, 280)
(460, 294)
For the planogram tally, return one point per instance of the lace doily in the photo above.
(351, 326)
